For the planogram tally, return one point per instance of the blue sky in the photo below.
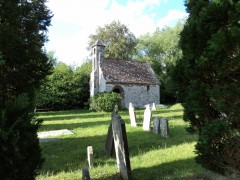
(75, 20)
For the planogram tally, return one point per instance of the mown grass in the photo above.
(151, 156)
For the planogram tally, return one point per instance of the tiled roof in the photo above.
(128, 72)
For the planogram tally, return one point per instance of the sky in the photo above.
(75, 20)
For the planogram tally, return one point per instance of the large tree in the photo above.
(161, 50)
(23, 65)
(120, 42)
(208, 77)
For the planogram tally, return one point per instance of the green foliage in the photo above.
(105, 101)
(23, 28)
(218, 147)
(20, 153)
(120, 42)
(23, 67)
(65, 88)
(161, 50)
(208, 77)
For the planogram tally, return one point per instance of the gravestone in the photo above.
(156, 126)
(121, 145)
(85, 174)
(164, 127)
(109, 146)
(90, 156)
(147, 118)
(132, 115)
(153, 106)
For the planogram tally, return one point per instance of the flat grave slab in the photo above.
(54, 133)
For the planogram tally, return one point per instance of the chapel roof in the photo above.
(128, 72)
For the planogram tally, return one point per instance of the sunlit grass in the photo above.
(151, 156)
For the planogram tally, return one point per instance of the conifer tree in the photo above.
(208, 79)
(23, 65)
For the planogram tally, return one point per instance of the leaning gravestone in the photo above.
(109, 146)
(147, 118)
(121, 145)
(164, 127)
(132, 115)
(156, 126)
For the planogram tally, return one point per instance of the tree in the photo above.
(81, 84)
(208, 81)
(119, 41)
(65, 88)
(23, 66)
(161, 50)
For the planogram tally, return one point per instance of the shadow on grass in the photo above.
(57, 113)
(69, 154)
(74, 116)
(72, 126)
(179, 169)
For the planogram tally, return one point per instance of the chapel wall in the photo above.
(138, 95)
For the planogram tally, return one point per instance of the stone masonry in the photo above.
(138, 95)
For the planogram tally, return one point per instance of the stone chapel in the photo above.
(135, 81)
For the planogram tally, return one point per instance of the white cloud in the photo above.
(75, 20)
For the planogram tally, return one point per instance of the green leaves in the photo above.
(120, 42)
(65, 88)
(208, 81)
(105, 101)
(18, 139)
(23, 66)
(161, 50)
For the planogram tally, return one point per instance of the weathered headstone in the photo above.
(85, 174)
(121, 145)
(90, 156)
(153, 106)
(109, 146)
(132, 115)
(164, 127)
(156, 125)
(147, 118)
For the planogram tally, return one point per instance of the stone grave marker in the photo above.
(153, 106)
(85, 174)
(164, 127)
(121, 145)
(109, 145)
(132, 115)
(90, 156)
(156, 125)
(147, 118)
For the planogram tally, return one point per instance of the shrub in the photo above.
(217, 138)
(105, 101)
(20, 152)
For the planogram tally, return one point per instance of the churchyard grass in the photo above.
(151, 156)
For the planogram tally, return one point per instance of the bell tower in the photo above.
(97, 56)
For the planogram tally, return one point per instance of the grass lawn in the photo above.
(151, 156)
